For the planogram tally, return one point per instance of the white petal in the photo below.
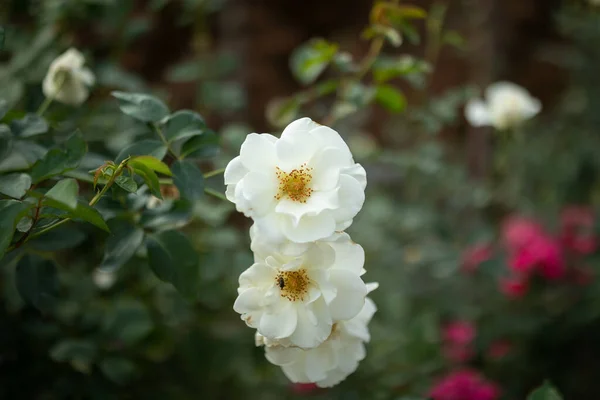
(357, 172)
(260, 190)
(249, 303)
(309, 228)
(258, 275)
(296, 372)
(357, 326)
(326, 166)
(321, 278)
(318, 362)
(477, 113)
(269, 226)
(86, 76)
(348, 255)
(351, 293)
(352, 197)
(234, 171)
(309, 334)
(279, 355)
(281, 322)
(300, 126)
(295, 150)
(317, 202)
(328, 137)
(258, 152)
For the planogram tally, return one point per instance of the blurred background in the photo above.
(444, 199)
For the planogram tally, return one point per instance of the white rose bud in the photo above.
(67, 80)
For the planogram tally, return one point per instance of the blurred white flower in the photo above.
(295, 292)
(303, 186)
(67, 80)
(506, 106)
(333, 360)
(104, 279)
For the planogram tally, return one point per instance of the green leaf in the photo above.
(126, 183)
(189, 179)
(183, 124)
(117, 369)
(146, 147)
(3, 108)
(61, 238)
(153, 163)
(200, 147)
(173, 259)
(65, 192)
(11, 211)
(545, 392)
(281, 112)
(82, 212)
(454, 38)
(410, 12)
(129, 322)
(60, 160)
(387, 68)
(37, 281)
(5, 140)
(15, 185)
(141, 106)
(149, 178)
(30, 125)
(77, 350)
(121, 245)
(310, 59)
(390, 98)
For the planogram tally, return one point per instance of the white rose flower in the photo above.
(303, 186)
(296, 293)
(333, 360)
(506, 106)
(67, 79)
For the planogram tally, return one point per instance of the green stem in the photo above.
(214, 173)
(164, 140)
(48, 100)
(213, 192)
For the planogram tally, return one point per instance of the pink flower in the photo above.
(518, 232)
(475, 255)
(514, 286)
(459, 332)
(542, 254)
(499, 349)
(577, 229)
(303, 388)
(464, 385)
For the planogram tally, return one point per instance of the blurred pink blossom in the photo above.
(577, 229)
(464, 385)
(514, 286)
(518, 232)
(542, 254)
(303, 388)
(457, 338)
(499, 349)
(475, 255)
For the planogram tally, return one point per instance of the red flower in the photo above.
(542, 254)
(303, 388)
(515, 286)
(577, 229)
(457, 337)
(464, 385)
(518, 232)
(473, 256)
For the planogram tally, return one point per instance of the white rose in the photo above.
(303, 186)
(506, 106)
(333, 360)
(296, 293)
(67, 80)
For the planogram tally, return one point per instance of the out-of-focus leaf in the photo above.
(126, 183)
(128, 322)
(3, 108)
(142, 107)
(65, 192)
(15, 185)
(183, 124)
(11, 211)
(5, 140)
(173, 259)
(386, 68)
(390, 98)
(37, 281)
(545, 392)
(189, 179)
(83, 212)
(30, 125)
(146, 147)
(310, 59)
(148, 176)
(281, 112)
(61, 238)
(60, 160)
(75, 350)
(153, 163)
(121, 245)
(204, 146)
(454, 38)
(117, 369)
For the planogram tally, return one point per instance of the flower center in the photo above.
(294, 184)
(293, 285)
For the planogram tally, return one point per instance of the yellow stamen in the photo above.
(293, 285)
(294, 184)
